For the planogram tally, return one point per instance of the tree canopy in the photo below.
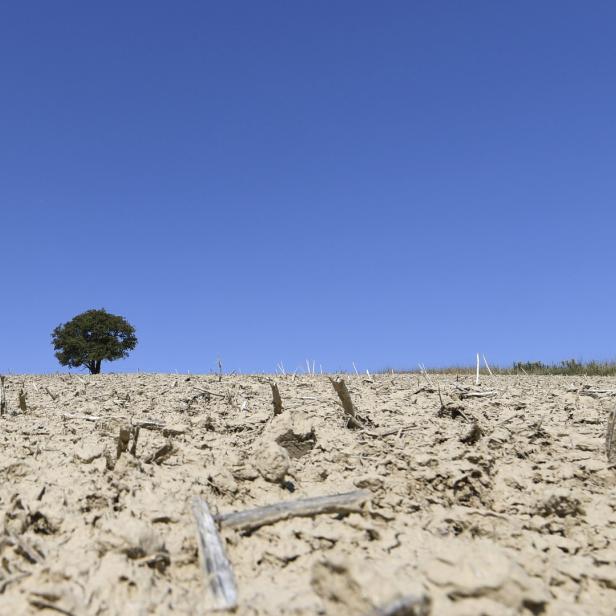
(92, 337)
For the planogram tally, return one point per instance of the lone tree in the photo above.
(91, 337)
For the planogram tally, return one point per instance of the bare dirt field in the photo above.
(500, 503)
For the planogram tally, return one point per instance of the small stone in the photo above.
(126, 465)
(593, 466)
(471, 573)
(484, 569)
(424, 459)
(87, 453)
(605, 556)
(561, 503)
(499, 436)
(222, 479)
(244, 472)
(175, 430)
(205, 423)
(333, 581)
(273, 462)
(605, 576)
(369, 482)
(574, 567)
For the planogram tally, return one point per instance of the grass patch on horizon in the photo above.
(569, 367)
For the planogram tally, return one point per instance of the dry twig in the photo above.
(594, 393)
(216, 567)
(477, 394)
(211, 393)
(251, 519)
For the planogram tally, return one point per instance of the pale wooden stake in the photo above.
(485, 361)
(251, 519)
(424, 372)
(477, 377)
(217, 569)
(477, 394)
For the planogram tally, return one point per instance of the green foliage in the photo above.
(568, 367)
(530, 367)
(92, 337)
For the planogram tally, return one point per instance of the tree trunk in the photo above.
(94, 366)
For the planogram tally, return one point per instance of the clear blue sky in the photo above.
(377, 182)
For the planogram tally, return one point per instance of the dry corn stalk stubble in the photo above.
(610, 438)
(276, 399)
(2, 397)
(347, 404)
(23, 407)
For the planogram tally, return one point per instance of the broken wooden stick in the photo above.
(146, 424)
(477, 394)
(85, 417)
(276, 399)
(347, 404)
(424, 372)
(594, 393)
(485, 361)
(477, 376)
(389, 431)
(210, 393)
(216, 567)
(610, 438)
(251, 519)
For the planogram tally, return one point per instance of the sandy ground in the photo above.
(482, 506)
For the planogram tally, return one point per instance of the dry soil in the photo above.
(495, 505)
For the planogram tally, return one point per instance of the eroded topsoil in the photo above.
(492, 505)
